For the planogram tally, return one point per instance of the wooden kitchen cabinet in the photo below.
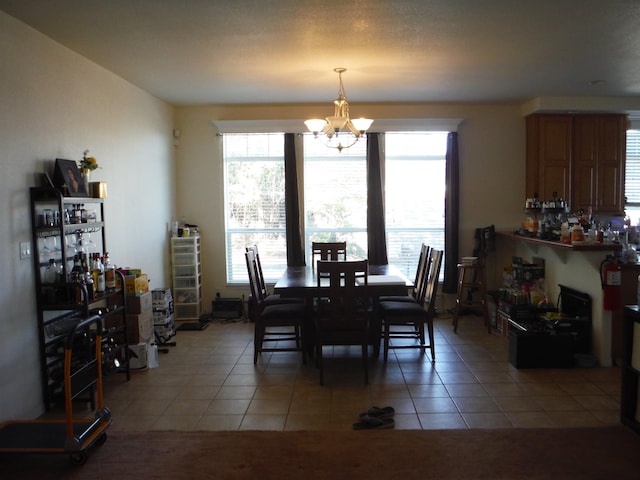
(549, 156)
(581, 157)
(598, 163)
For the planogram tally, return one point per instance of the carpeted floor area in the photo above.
(578, 453)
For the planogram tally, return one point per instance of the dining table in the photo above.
(302, 282)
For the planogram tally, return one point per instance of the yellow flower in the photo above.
(87, 162)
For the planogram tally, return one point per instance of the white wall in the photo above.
(55, 104)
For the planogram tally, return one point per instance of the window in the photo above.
(254, 202)
(335, 196)
(414, 195)
(632, 176)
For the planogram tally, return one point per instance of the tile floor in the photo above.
(208, 382)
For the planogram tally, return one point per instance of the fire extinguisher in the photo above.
(610, 277)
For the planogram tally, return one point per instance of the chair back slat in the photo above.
(348, 282)
(421, 270)
(328, 251)
(431, 283)
(260, 276)
(257, 296)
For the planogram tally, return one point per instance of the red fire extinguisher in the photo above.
(611, 276)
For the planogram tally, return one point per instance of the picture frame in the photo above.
(67, 178)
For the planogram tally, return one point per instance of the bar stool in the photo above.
(471, 276)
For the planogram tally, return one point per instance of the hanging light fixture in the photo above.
(339, 127)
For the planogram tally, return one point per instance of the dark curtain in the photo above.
(451, 213)
(295, 251)
(377, 244)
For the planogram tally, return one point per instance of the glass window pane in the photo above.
(254, 203)
(335, 196)
(414, 195)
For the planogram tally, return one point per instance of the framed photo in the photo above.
(67, 178)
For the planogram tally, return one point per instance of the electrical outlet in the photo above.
(25, 250)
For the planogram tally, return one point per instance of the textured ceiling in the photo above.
(191, 52)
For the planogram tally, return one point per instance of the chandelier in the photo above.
(339, 128)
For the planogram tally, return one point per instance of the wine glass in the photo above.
(45, 251)
(71, 243)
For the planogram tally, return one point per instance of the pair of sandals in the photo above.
(376, 418)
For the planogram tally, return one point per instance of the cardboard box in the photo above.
(136, 285)
(140, 327)
(139, 304)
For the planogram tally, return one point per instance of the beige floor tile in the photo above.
(530, 419)
(434, 405)
(466, 390)
(227, 407)
(269, 406)
(597, 402)
(440, 421)
(517, 404)
(404, 421)
(235, 392)
(486, 420)
(187, 407)
(429, 390)
(176, 422)
(263, 422)
(476, 404)
(574, 419)
(558, 403)
(219, 422)
(457, 377)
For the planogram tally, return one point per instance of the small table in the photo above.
(302, 282)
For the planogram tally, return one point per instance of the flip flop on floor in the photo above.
(377, 412)
(372, 423)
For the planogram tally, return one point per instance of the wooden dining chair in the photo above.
(419, 279)
(344, 317)
(279, 324)
(407, 320)
(267, 297)
(328, 251)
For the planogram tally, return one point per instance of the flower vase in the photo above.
(86, 177)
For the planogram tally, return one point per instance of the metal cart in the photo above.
(70, 436)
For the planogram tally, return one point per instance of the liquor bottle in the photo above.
(109, 273)
(88, 282)
(98, 272)
(77, 277)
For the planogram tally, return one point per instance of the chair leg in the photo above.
(387, 333)
(365, 358)
(431, 340)
(319, 363)
(257, 342)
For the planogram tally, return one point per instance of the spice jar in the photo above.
(577, 233)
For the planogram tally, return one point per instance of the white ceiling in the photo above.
(192, 52)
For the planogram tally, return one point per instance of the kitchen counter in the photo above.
(577, 247)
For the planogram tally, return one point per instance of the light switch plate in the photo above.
(25, 250)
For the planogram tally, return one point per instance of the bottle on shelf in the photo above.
(109, 272)
(77, 277)
(51, 272)
(98, 274)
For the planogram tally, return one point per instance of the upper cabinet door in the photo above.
(599, 163)
(549, 151)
